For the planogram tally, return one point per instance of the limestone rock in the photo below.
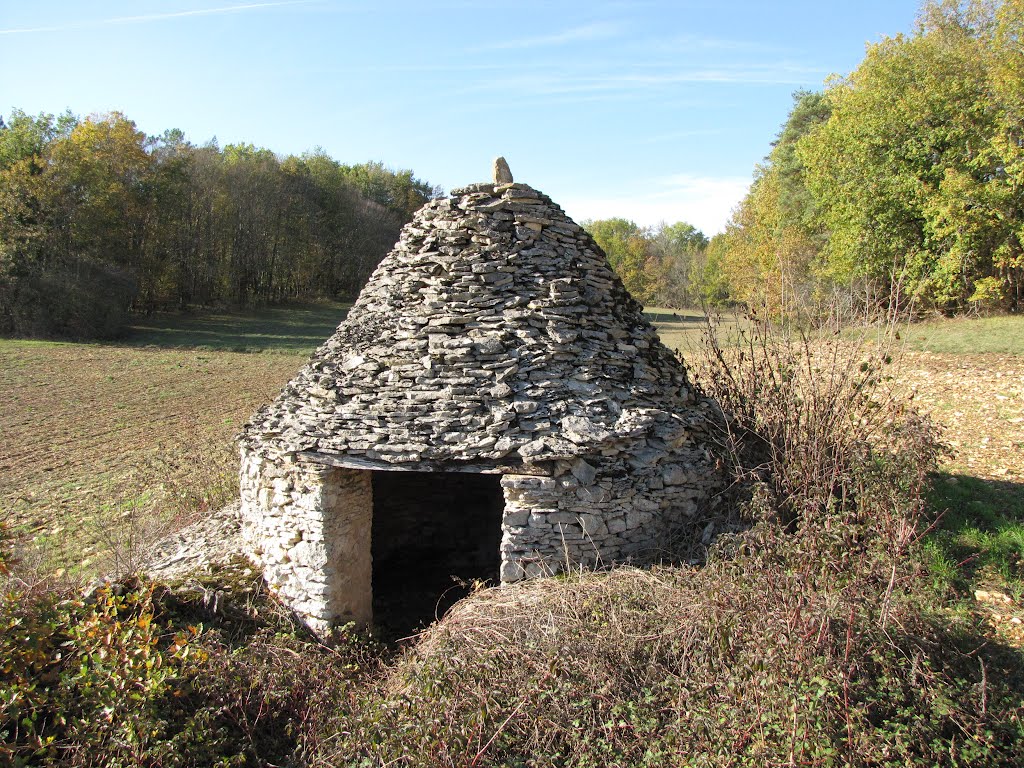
(494, 338)
(502, 174)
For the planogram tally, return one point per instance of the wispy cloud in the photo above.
(151, 17)
(704, 201)
(643, 79)
(597, 31)
(679, 43)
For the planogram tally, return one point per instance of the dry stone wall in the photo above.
(601, 510)
(494, 337)
(307, 527)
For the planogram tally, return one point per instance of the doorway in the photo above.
(432, 535)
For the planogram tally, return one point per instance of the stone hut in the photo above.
(495, 405)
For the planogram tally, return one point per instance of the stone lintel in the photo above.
(540, 469)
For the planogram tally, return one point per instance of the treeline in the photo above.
(900, 185)
(667, 266)
(99, 221)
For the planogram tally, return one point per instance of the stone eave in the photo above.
(538, 468)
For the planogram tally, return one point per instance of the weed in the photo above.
(981, 530)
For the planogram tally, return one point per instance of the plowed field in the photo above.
(102, 442)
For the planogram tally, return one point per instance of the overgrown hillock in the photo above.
(726, 665)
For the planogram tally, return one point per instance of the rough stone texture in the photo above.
(308, 528)
(494, 330)
(502, 173)
(494, 337)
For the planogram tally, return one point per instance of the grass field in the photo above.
(293, 329)
(982, 335)
(682, 330)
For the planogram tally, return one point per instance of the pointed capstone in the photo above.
(502, 174)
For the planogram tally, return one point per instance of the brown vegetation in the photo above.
(96, 434)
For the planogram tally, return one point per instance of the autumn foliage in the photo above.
(99, 220)
(903, 183)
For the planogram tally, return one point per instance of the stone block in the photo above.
(592, 525)
(616, 524)
(516, 518)
(584, 472)
(593, 494)
(636, 518)
(511, 571)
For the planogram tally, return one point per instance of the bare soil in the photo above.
(101, 441)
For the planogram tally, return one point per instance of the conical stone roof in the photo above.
(494, 331)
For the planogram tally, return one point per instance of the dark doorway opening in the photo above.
(433, 534)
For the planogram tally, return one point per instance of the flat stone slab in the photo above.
(215, 539)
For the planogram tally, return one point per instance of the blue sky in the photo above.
(650, 109)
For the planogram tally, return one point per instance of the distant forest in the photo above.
(99, 221)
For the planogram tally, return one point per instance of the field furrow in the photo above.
(93, 433)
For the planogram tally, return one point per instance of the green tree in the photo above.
(909, 171)
(628, 248)
(97, 219)
(96, 177)
(772, 242)
(709, 281)
(1006, 78)
(676, 251)
(397, 191)
(23, 136)
(69, 233)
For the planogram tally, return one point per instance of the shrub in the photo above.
(823, 447)
(141, 674)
